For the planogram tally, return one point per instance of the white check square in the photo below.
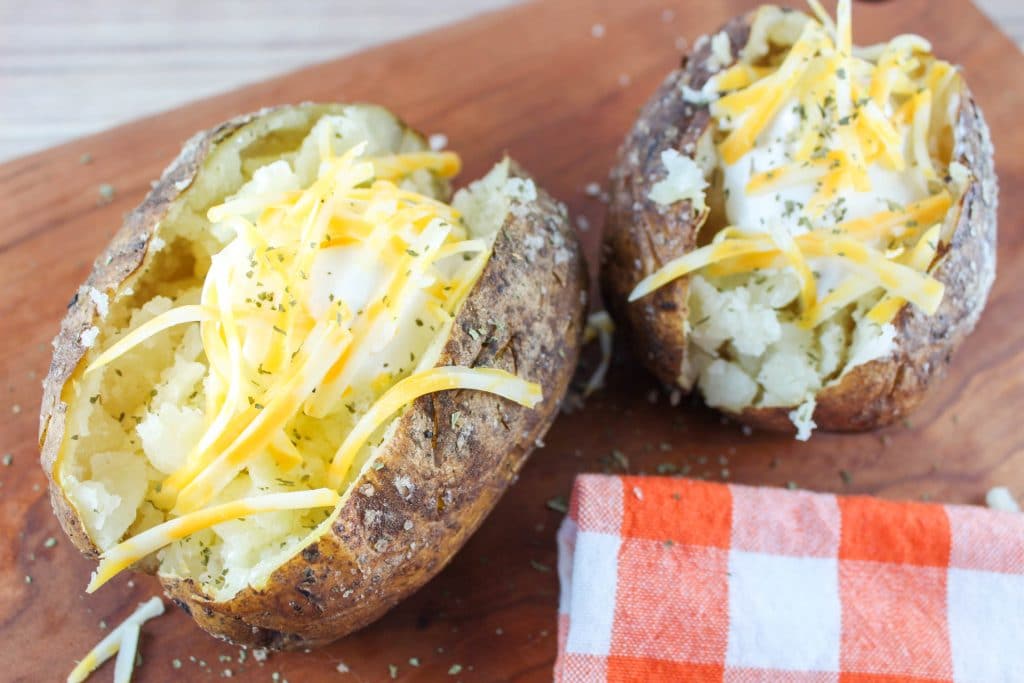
(784, 612)
(986, 624)
(592, 601)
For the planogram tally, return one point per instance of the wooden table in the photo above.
(490, 85)
(74, 68)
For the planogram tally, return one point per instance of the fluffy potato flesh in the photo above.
(824, 187)
(212, 434)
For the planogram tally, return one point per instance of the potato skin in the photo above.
(640, 236)
(402, 522)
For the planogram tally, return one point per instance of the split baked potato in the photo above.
(302, 374)
(801, 230)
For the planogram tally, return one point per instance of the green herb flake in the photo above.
(455, 670)
(558, 504)
(540, 566)
(620, 459)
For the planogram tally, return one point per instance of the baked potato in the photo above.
(801, 230)
(301, 374)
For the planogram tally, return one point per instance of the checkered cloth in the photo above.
(681, 580)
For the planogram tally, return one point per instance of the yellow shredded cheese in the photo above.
(697, 259)
(489, 380)
(125, 662)
(173, 317)
(793, 255)
(855, 108)
(600, 326)
(445, 164)
(762, 100)
(128, 552)
(919, 258)
(111, 643)
(296, 313)
(212, 476)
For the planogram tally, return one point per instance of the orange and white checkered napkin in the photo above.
(681, 580)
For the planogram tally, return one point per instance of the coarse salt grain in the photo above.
(1000, 498)
(438, 141)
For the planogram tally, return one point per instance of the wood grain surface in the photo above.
(69, 69)
(75, 68)
(534, 81)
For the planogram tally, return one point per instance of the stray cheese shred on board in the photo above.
(122, 641)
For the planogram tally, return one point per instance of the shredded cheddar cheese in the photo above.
(430, 381)
(600, 326)
(128, 552)
(116, 640)
(125, 662)
(850, 116)
(328, 302)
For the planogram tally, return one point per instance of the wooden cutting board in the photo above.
(556, 85)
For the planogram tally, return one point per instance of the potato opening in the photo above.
(141, 451)
(831, 184)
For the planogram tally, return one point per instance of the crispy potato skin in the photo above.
(122, 257)
(439, 478)
(640, 236)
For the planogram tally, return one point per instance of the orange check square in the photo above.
(682, 511)
(642, 670)
(902, 533)
(672, 602)
(894, 621)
